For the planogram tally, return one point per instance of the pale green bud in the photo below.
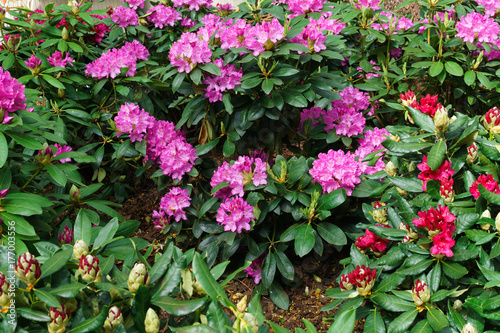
(152, 322)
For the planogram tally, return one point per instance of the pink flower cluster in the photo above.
(479, 28)
(301, 7)
(57, 60)
(346, 116)
(165, 146)
(490, 6)
(216, 84)
(162, 16)
(373, 4)
(371, 241)
(263, 37)
(192, 4)
(255, 269)
(33, 62)
(390, 22)
(172, 206)
(189, 51)
(441, 174)
(428, 104)
(370, 143)
(312, 36)
(440, 224)
(235, 214)
(336, 169)
(244, 171)
(12, 96)
(124, 17)
(112, 61)
(134, 4)
(363, 278)
(234, 34)
(62, 149)
(488, 182)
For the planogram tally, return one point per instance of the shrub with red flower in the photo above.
(488, 182)
(363, 278)
(371, 241)
(440, 224)
(444, 172)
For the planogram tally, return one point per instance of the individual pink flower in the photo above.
(336, 169)
(133, 120)
(216, 84)
(255, 269)
(161, 219)
(134, 4)
(443, 172)
(12, 96)
(488, 182)
(442, 244)
(124, 17)
(99, 31)
(63, 149)
(476, 27)
(177, 158)
(162, 16)
(33, 62)
(174, 202)
(189, 51)
(371, 241)
(57, 60)
(235, 214)
(263, 37)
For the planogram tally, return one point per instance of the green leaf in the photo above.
(21, 207)
(106, 234)
(26, 141)
(436, 155)
(278, 296)
(437, 319)
(392, 303)
(389, 282)
(177, 307)
(56, 262)
(216, 317)
(403, 322)
(4, 150)
(284, 264)
(200, 328)
(57, 174)
(228, 148)
(304, 239)
(277, 328)
(465, 221)
(479, 236)
(122, 90)
(454, 270)
(268, 269)
(435, 277)
(179, 78)
(422, 327)
(68, 290)
(436, 69)
(92, 324)
(23, 228)
(53, 82)
(202, 150)
(344, 322)
(140, 305)
(294, 99)
(469, 77)
(456, 319)
(207, 282)
(332, 200)
(413, 185)
(374, 322)
(453, 68)
(404, 148)
(331, 233)
(161, 265)
(267, 86)
(417, 268)
(422, 120)
(46, 297)
(83, 226)
(491, 197)
(211, 68)
(32, 314)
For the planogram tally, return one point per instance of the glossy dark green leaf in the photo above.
(388, 283)
(453, 68)
(211, 68)
(55, 263)
(57, 174)
(404, 148)
(200, 328)
(25, 141)
(162, 264)
(422, 120)
(179, 78)
(437, 319)
(374, 322)
(68, 290)
(92, 324)
(392, 303)
(107, 233)
(46, 297)
(279, 296)
(304, 239)
(228, 148)
(140, 306)
(332, 200)
(217, 318)
(83, 227)
(331, 233)
(32, 314)
(344, 322)
(436, 155)
(435, 277)
(436, 69)
(403, 322)
(454, 270)
(207, 282)
(53, 82)
(178, 307)
(268, 269)
(284, 264)
(413, 185)
(422, 326)
(4, 150)
(203, 149)
(469, 77)
(21, 207)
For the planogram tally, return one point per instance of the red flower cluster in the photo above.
(442, 174)
(363, 278)
(372, 241)
(428, 104)
(440, 224)
(488, 182)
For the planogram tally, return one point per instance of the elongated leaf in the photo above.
(107, 233)
(404, 148)
(491, 197)
(345, 322)
(217, 318)
(268, 269)
(21, 207)
(389, 282)
(53, 82)
(374, 322)
(422, 120)
(206, 280)
(176, 307)
(32, 314)
(454, 270)
(408, 184)
(25, 141)
(304, 240)
(436, 69)
(200, 328)
(4, 150)
(402, 322)
(436, 155)
(57, 174)
(23, 228)
(453, 68)
(162, 264)
(437, 319)
(202, 150)
(332, 200)
(55, 263)
(422, 327)
(48, 298)
(83, 227)
(285, 266)
(417, 268)
(277, 328)
(331, 233)
(279, 296)
(68, 290)
(392, 303)
(91, 325)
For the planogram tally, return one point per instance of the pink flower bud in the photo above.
(420, 293)
(379, 213)
(113, 320)
(66, 237)
(27, 269)
(492, 120)
(45, 155)
(3, 193)
(4, 292)
(446, 190)
(471, 154)
(344, 283)
(408, 98)
(89, 268)
(59, 318)
(363, 278)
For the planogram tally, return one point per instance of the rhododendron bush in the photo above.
(272, 131)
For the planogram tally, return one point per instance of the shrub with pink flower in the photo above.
(192, 4)
(216, 84)
(13, 98)
(57, 60)
(133, 120)
(162, 16)
(124, 17)
(134, 4)
(33, 62)
(263, 37)
(235, 214)
(370, 143)
(475, 27)
(177, 158)
(233, 35)
(174, 202)
(62, 149)
(371, 241)
(391, 23)
(440, 224)
(189, 51)
(255, 269)
(346, 116)
(336, 169)
(488, 182)
(444, 172)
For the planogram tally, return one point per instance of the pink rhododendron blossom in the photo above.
(161, 219)
(192, 4)
(373, 4)
(33, 62)
(57, 60)
(490, 6)
(443, 172)
(235, 214)
(263, 37)
(301, 7)
(187, 22)
(63, 149)
(216, 84)
(160, 134)
(174, 202)
(440, 219)
(12, 96)
(346, 116)
(134, 4)
(371, 241)
(255, 269)
(315, 114)
(124, 17)
(162, 16)
(335, 170)
(233, 35)
(370, 143)
(488, 182)
(177, 158)
(189, 51)
(133, 120)
(476, 27)
(212, 23)
(389, 22)
(442, 244)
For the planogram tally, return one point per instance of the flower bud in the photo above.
(4, 292)
(60, 93)
(2, 13)
(363, 278)
(45, 155)
(247, 321)
(59, 318)
(344, 283)
(65, 34)
(138, 277)
(409, 231)
(33, 64)
(471, 154)
(446, 190)
(408, 98)
(66, 237)
(27, 269)
(420, 293)
(75, 8)
(74, 194)
(457, 305)
(379, 213)
(152, 322)
(113, 319)
(487, 215)
(3, 193)
(441, 121)
(198, 289)
(242, 305)
(89, 268)
(80, 249)
(391, 169)
(492, 121)
(469, 328)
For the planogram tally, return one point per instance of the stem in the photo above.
(114, 101)
(32, 177)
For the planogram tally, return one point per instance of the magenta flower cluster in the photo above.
(112, 61)
(389, 22)
(33, 62)
(189, 51)
(134, 4)
(134, 121)
(235, 214)
(172, 206)
(370, 143)
(490, 6)
(162, 16)
(62, 149)
(263, 37)
(192, 4)
(479, 28)
(313, 36)
(12, 96)
(57, 60)
(216, 84)
(302, 7)
(124, 17)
